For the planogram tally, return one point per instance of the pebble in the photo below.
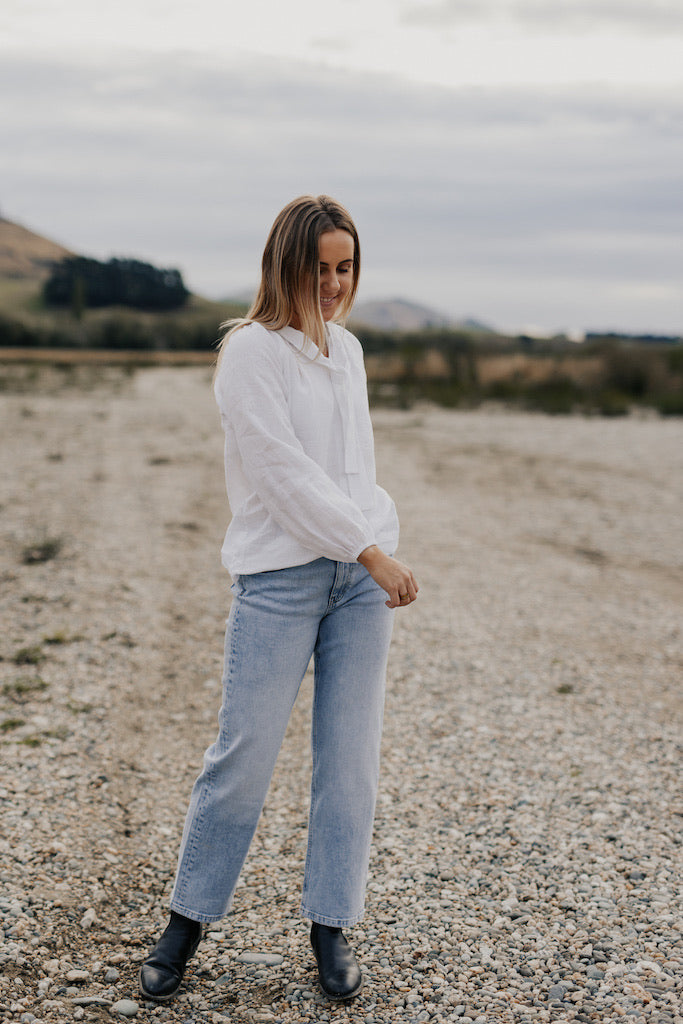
(78, 976)
(262, 959)
(88, 919)
(125, 1008)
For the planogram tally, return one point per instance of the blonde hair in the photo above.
(290, 270)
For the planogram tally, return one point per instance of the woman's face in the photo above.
(335, 251)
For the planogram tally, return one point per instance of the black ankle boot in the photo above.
(338, 971)
(162, 971)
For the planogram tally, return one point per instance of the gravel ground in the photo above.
(527, 855)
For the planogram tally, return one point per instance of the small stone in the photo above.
(88, 919)
(78, 977)
(125, 1008)
(557, 993)
(595, 973)
(262, 959)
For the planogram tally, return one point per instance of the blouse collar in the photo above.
(303, 345)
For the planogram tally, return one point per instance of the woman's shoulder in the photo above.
(250, 335)
(250, 352)
(251, 344)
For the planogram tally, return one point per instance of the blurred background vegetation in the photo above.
(59, 308)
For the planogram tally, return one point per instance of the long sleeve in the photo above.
(274, 464)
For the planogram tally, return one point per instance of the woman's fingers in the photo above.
(405, 593)
(392, 576)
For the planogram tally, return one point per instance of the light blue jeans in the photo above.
(335, 612)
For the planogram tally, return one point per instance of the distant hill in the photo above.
(26, 255)
(401, 315)
(397, 315)
(390, 315)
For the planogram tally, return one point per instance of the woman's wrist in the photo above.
(370, 555)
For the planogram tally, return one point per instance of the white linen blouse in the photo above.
(299, 452)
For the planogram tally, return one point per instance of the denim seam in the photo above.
(314, 758)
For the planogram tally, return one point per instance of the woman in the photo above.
(310, 550)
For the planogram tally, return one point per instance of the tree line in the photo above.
(79, 283)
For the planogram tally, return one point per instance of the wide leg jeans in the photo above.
(335, 612)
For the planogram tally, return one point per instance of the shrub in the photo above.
(29, 655)
(612, 403)
(557, 395)
(670, 405)
(42, 550)
(23, 686)
(11, 723)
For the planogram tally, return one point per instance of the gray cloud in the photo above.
(556, 207)
(581, 15)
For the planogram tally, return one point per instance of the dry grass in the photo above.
(24, 254)
(104, 357)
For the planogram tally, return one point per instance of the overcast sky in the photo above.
(519, 161)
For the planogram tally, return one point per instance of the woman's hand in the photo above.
(392, 576)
